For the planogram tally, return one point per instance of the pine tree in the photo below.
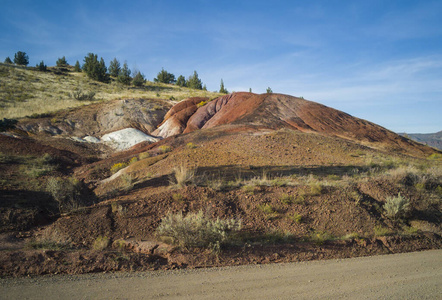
(77, 67)
(41, 67)
(124, 75)
(181, 81)
(21, 58)
(138, 79)
(61, 62)
(165, 77)
(8, 60)
(194, 82)
(95, 69)
(269, 90)
(114, 68)
(222, 89)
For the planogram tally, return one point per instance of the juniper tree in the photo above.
(124, 75)
(95, 69)
(194, 82)
(138, 79)
(41, 66)
(114, 68)
(21, 58)
(77, 67)
(8, 60)
(165, 77)
(222, 89)
(61, 62)
(181, 81)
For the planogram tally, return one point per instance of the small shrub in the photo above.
(127, 182)
(316, 188)
(178, 198)
(320, 237)
(165, 149)
(120, 245)
(296, 218)
(51, 238)
(101, 243)
(197, 230)
(133, 160)
(287, 199)
(269, 211)
(202, 103)
(118, 209)
(117, 167)
(144, 155)
(80, 96)
(191, 146)
(396, 207)
(66, 192)
(249, 189)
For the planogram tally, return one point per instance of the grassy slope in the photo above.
(25, 91)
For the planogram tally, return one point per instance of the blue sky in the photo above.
(376, 60)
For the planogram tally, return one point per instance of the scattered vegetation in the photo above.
(197, 230)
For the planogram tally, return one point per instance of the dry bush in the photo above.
(101, 243)
(197, 230)
(66, 192)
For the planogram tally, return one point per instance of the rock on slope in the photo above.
(275, 111)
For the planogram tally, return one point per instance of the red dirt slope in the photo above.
(276, 111)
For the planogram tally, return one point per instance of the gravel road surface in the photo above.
(415, 275)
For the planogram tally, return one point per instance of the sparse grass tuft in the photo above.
(382, 231)
(182, 176)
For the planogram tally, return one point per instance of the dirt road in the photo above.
(400, 276)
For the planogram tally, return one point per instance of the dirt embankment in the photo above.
(402, 276)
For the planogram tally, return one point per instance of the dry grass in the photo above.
(25, 92)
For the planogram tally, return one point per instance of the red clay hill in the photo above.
(276, 111)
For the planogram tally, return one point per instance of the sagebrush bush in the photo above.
(197, 230)
(396, 207)
(66, 192)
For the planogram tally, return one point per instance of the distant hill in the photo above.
(430, 139)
